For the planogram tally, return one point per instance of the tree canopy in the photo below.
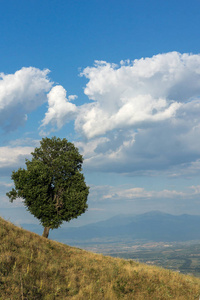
(52, 185)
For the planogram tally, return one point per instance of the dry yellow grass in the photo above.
(32, 267)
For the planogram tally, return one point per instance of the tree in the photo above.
(52, 185)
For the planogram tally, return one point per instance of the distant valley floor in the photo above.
(182, 257)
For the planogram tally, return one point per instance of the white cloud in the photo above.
(5, 184)
(21, 93)
(142, 115)
(60, 109)
(147, 111)
(11, 158)
(142, 91)
(131, 95)
(88, 149)
(131, 200)
(173, 146)
(196, 189)
(122, 193)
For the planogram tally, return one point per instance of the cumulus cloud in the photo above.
(169, 146)
(148, 113)
(141, 115)
(131, 95)
(60, 109)
(21, 93)
(138, 92)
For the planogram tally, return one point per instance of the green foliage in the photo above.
(52, 186)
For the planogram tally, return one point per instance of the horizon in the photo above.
(74, 224)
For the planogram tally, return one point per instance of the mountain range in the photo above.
(152, 226)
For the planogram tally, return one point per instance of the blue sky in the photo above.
(120, 79)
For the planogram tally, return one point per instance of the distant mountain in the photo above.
(152, 226)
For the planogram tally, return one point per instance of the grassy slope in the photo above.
(32, 267)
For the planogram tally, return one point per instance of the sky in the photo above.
(119, 79)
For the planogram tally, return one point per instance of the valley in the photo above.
(183, 257)
(154, 238)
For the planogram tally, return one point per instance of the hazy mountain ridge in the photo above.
(152, 226)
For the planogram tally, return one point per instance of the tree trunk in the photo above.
(46, 232)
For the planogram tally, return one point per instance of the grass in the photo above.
(32, 267)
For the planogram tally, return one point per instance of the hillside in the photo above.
(32, 267)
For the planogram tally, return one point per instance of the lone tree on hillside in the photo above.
(52, 187)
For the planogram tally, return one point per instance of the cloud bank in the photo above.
(123, 199)
(119, 193)
(141, 116)
(131, 95)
